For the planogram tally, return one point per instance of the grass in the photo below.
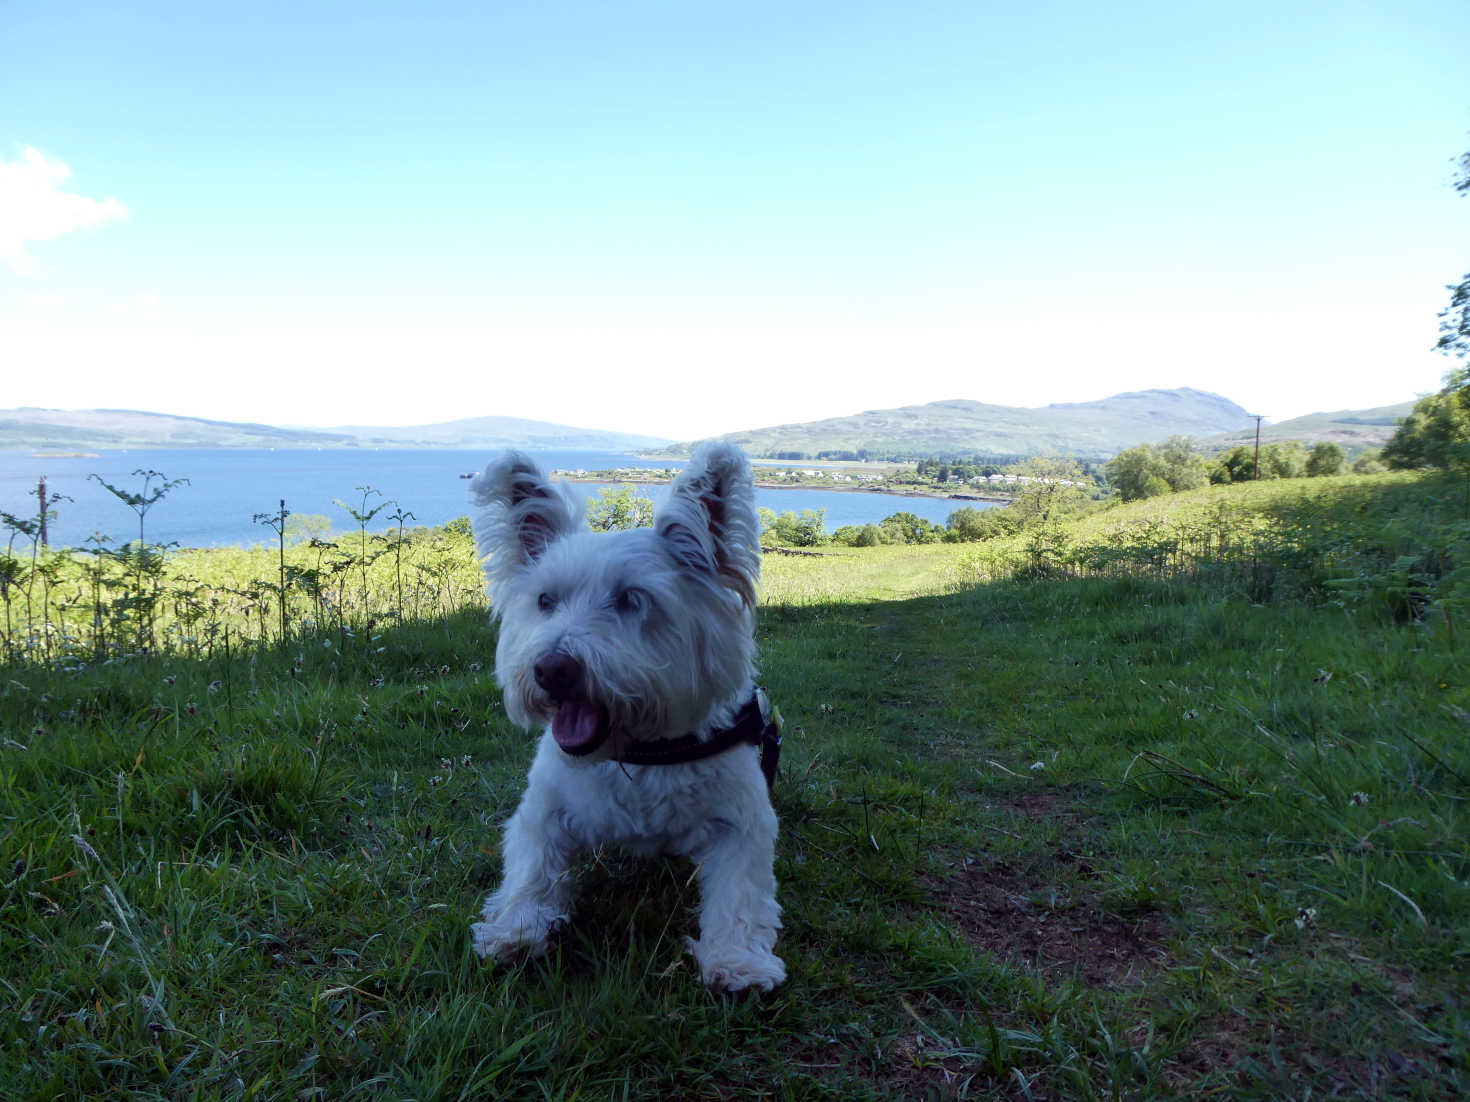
(1138, 831)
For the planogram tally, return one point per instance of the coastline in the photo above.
(600, 478)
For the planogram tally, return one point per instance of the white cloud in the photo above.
(34, 207)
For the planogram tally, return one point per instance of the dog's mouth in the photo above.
(580, 726)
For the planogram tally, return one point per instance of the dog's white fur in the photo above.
(641, 634)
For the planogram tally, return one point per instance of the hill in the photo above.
(497, 432)
(1354, 430)
(30, 427)
(1089, 430)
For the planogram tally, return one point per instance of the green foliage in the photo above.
(1437, 433)
(1454, 320)
(1325, 459)
(969, 524)
(804, 529)
(1052, 486)
(859, 535)
(1149, 470)
(1287, 459)
(1236, 465)
(618, 508)
(1370, 462)
(906, 527)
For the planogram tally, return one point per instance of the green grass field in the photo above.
(1169, 802)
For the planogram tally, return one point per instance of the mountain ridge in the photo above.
(39, 427)
(1092, 430)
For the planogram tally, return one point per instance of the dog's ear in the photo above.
(520, 513)
(709, 522)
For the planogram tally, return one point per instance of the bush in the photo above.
(1324, 459)
(970, 525)
(808, 529)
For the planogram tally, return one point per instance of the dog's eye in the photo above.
(630, 601)
(546, 602)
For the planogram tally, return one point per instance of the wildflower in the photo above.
(1191, 714)
(435, 781)
(376, 682)
(1306, 918)
(465, 761)
(1037, 765)
(191, 707)
(445, 764)
(214, 686)
(474, 667)
(362, 709)
(826, 708)
(423, 690)
(169, 681)
(1358, 799)
(443, 671)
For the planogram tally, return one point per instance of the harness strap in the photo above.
(750, 726)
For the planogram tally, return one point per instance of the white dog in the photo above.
(635, 652)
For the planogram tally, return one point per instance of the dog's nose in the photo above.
(559, 675)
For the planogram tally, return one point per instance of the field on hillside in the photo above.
(1167, 802)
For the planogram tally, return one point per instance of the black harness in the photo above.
(750, 726)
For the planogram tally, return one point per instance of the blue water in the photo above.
(227, 487)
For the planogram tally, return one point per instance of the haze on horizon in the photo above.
(691, 220)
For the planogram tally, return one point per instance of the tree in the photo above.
(909, 528)
(1454, 320)
(1051, 484)
(969, 524)
(1180, 465)
(1148, 471)
(809, 529)
(850, 535)
(617, 508)
(1236, 465)
(1437, 432)
(1287, 459)
(1325, 458)
(1369, 463)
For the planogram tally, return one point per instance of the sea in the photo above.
(227, 488)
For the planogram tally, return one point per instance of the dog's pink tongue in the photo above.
(579, 726)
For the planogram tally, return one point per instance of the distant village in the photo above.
(895, 479)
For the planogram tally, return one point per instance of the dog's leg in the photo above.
(535, 895)
(739, 916)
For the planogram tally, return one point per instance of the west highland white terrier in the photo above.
(634, 652)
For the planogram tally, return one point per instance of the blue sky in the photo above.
(686, 218)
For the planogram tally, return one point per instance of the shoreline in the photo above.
(592, 478)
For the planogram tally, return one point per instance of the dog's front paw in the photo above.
(732, 968)
(519, 929)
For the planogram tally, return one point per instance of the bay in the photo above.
(228, 487)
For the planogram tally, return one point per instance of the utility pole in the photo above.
(1257, 416)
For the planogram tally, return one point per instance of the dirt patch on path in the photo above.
(1041, 910)
(1048, 925)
